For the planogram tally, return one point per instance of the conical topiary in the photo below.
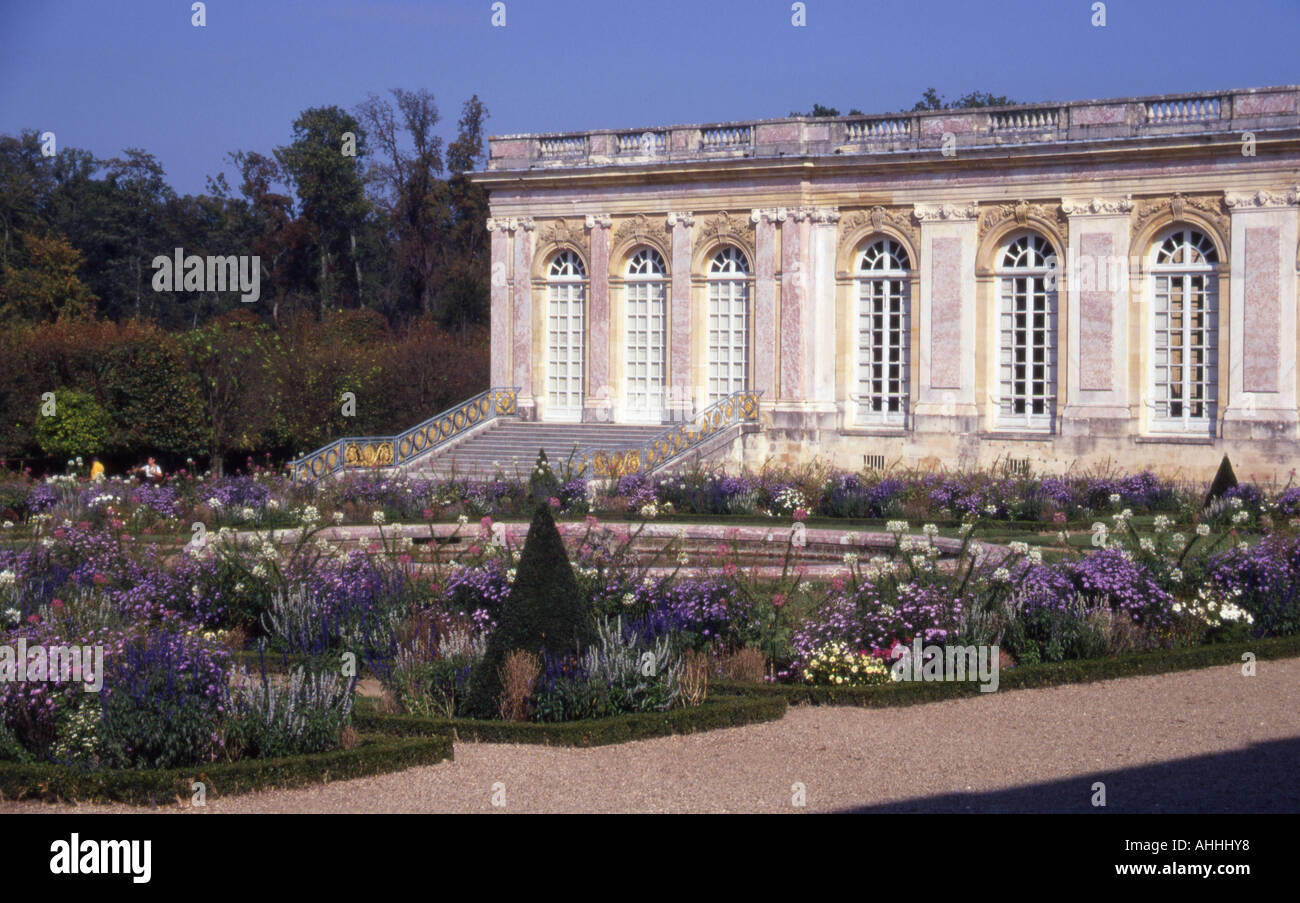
(544, 612)
(1224, 480)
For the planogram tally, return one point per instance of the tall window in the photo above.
(1027, 334)
(883, 345)
(728, 280)
(566, 297)
(647, 308)
(1184, 370)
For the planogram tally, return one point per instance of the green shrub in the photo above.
(79, 426)
(543, 612)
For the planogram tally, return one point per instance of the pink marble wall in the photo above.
(794, 303)
(945, 313)
(500, 149)
(679, 344)
(1099, 114)
(772, 134)
(937, 125)
(1263, 104)
(500, 315)
(1261, 350)
(522, 314)
(598, 317)
(1096, 315)
(765, 307)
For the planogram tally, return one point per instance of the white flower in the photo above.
(463, 519)
(9, 525)
(649, 510)
(905, 544)
(1176, 575)
(7, 578)
(1178, 540)
(1161, 523)
(1036, 556)
(850, 558)
(239, 587)
(896, 526)
(1202, 529)
(246, 513)
(966, 527)
(1146, 544)
(1019, 548)
(930, 530)
(629, 598)
(1240, 517)
(272, 504)
(1114, 498)
(1235, 502)
(683, 559)
(337, 517)
(214, 502)
(259, 571)
(990, 509)
(310, 514)
(268, 551)
(377, 517)
(1002, 575)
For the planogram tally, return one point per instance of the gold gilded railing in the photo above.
(353, 452)
(672, 443)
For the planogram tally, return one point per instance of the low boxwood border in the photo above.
(375, 754)
(1022, 677)
(715, 712)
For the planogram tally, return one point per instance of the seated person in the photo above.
(152, 471)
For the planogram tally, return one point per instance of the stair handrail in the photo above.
(673, 442)
(351, 452)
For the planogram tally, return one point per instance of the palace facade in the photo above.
(1040, 285)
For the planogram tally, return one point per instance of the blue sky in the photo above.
(135, 73)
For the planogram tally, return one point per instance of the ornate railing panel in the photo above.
(388, 451)
(672, 443)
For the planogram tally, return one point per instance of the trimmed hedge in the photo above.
(374, 755)
(1046, 674)
(715, 712)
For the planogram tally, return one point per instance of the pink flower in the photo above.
(800, 515)
(778, 599)
(554, 503)
(837, 584)
(428, 513)
(591, 520)
(486, 524)
(33, 619)
(474, 550)
(99, 579)
(729, 569)
(56, 604)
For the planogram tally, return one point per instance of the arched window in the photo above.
(566, 293)
(1026, 333)
(647, 315)
(728, 280)
(883, 337)
(1184, 361)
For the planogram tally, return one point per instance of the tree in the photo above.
(79, 426)
(931, 100)
(818, 111)
(332, 195)
(543, 613)
(48, 287)
(236, 360)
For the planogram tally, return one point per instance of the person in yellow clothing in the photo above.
(96, 469)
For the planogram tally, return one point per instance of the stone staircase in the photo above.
(510, 447)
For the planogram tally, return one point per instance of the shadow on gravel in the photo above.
(1260, 778)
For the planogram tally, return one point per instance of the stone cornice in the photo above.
(510, 223)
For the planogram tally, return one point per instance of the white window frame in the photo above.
(566, 327)
(883, 321)
(728, 324)
(1026, 272)
(1194, 258)
(645, 364)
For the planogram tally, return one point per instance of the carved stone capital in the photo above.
(1097, 206)
(935, 213)
(686, 219)
(604, 220)
(771, 214)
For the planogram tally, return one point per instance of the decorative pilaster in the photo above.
(1095, 366)
(1262, 315)
(522, 314)
(500, 302)
(598, 403)
(681, 398)
(764, 323)
(946, 395)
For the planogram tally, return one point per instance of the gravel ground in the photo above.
(1199, 741)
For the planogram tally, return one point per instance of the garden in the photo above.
(256, 630)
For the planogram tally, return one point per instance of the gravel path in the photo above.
(1201, 741)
